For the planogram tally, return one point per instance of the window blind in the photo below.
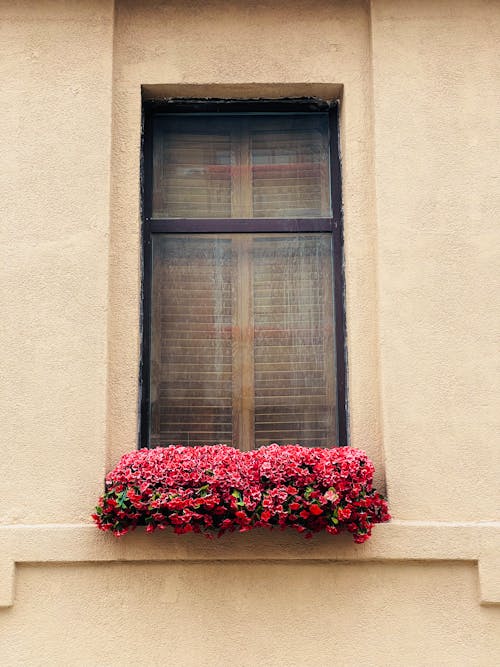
(293, 342)
(192, 348)
(241, 167)
(242, 344)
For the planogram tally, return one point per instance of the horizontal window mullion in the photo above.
(241, 225)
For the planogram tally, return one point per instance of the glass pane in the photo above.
(241, 166)
(290, 168)
(294, 341)
(192, 160)
(191, 342)
(242, 342)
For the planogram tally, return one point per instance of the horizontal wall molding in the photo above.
(396, 541)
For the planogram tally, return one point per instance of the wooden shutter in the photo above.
(242, 343)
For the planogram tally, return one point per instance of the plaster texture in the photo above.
(436, 82)
(419, 88)
(220, 614)
(55, 130)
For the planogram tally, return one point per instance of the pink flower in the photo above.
(215, 489)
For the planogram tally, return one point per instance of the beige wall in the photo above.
(249, 614)
(55, 77)
(436, 82)
(420, 87)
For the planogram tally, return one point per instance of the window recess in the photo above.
(243, 315)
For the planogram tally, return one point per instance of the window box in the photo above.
(216, 489)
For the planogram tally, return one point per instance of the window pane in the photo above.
(293, 343)
(241, 166)
(290, 175)
(191, 346)
(191, 169)
(242, 342)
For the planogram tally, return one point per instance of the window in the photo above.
(243, 339)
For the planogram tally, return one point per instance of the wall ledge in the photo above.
(394, 541)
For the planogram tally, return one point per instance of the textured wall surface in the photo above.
(420, 91)
(437, 142)
(55, 126)
(251, 614)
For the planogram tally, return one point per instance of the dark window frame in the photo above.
(333, 224)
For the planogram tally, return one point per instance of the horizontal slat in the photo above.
(208, 386)
(317, 442)
(218, 410)
(188, 379)
(178, 337)
(196, 198)
(196, 437)
(198, 402)
(307, 419)
(171, 325)
(191, 352)
(295, 386)
(201, 423)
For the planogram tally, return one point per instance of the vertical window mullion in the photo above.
(243, 337)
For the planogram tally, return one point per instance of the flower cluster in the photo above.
(215, 489)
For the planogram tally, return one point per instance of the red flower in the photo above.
(344, 513)
(216, 489)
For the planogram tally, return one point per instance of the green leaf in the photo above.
(121, 499)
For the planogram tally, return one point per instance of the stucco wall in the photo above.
(436, 82)
(250, 614)
(420, 89)
(55, 128)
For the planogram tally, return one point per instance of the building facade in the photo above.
(418, 86)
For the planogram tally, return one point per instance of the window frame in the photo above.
(333, 224)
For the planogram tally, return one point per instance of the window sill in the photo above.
(395, 541)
